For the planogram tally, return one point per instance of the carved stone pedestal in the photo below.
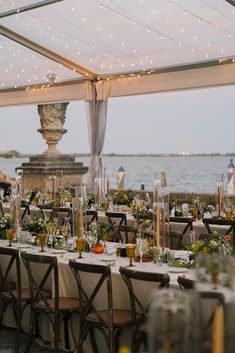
(39, 169)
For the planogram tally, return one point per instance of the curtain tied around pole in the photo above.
(96, 104)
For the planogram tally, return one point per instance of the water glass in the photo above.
(141, 246)
(170, 257)
(172, 323)
(192, 236)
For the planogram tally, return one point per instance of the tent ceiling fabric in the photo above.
(111, 37)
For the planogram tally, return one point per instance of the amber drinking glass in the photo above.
(42, 241)
(80, 246)
(10, 233)
(130, 251)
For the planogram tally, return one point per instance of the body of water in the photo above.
(184, 174)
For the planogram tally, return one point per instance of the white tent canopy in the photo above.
(140, 46)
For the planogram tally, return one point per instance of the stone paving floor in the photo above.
(7, 340)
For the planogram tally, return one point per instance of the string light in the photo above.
(134, 21)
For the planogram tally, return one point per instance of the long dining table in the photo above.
(67, 286)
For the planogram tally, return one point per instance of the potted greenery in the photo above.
(103, 231)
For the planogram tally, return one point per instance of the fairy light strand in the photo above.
(216, 10)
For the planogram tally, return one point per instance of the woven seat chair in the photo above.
(139, 311)
(11, 292)
(110, 322)
(57, 309)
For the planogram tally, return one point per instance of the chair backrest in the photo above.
(143, 216)
(46, 211)
(138, 310)
(186, 283)
(126, 233)
(188, 221)
(86, 300)
(10, 261)
(37, 282)
(61, 212)
(25, 211)
(90, 216)
(116, 218)
(220, 222)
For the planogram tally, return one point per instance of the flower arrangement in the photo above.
(102, 230)
(122, 197)
(213, 244)
(197, 208)
(33, 196)
(145, 228)
(5, 221)
(36, 226)
(90, 200)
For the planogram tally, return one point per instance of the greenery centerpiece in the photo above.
(122, 197)
(4, 224)
(33, 196)
(90, 200)
(213, 244)
(36, 226)
(197, 208)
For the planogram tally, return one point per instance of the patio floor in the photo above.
(7, 340)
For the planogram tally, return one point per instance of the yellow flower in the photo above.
(125, 197)
(205, 250)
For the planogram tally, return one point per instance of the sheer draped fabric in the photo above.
(96, 104)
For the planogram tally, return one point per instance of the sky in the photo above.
(174, 122)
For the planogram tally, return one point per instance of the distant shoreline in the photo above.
(16, 154)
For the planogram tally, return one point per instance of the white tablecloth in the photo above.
(67, 287)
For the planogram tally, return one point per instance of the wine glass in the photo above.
(42, 241)
(80, 246)
(130, 251)
(10, 233)
(90, 238)
(141, 245)
(49, 236)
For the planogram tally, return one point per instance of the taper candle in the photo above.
(218, 331)
(158, 228)
(163, 227)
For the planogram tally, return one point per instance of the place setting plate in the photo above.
(177, 270)
(108, 261)
(58, 251)
(24, 246)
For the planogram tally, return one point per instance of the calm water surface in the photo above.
(192, 174)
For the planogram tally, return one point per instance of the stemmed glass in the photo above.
(80, 246)
(49, 236)
(141, 245)
(130, 251)
(10, 233)
(42, 241)
(91, 239)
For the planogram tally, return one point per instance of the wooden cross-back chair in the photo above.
(11, 292)
(109, 321)
(90, 216)
(216, 297)
(140, 311)
(56, 308)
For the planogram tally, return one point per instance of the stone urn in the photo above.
(52, 118)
